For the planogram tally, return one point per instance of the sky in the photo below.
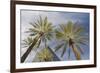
(56, 18)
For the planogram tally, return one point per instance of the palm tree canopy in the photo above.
(70, 30)
(42, 27)
(70, 34)
(45, 55)
(27, 42)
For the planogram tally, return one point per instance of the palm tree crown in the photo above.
(26, 42)
(71, 36)
(41, 30)
(45, 55)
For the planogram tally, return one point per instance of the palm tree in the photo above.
(45, 55)
(27, 41)
(42, 31)
(71, 36)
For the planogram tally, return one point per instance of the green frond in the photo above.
(59, 34)
(35, 25)
(49, 36)
(45, 55)
(33, 34)
(27, 41)
(42, 25)
(33, 30)
(69, 27)
(58, 46)
(40, 21)
(81, 38)
(45, 22)
(62, 26)
(82, 43)
(64, 49)
(79, 31)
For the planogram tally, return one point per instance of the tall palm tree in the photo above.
(42, 31)
(71, 36)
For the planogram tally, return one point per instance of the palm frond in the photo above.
(33, 34)
(33, 30)
(62, 26)
(49, 36)
(64, 49)
(27, 41)
(83, 43)
(69, 27)
(59, 34)
(79, 30)
(35, 25)
(45, 23)
(45, 55)
(58, 46)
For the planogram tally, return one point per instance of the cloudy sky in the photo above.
(56, 18)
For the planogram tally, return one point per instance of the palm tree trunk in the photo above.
(29, 49)
(76, 52)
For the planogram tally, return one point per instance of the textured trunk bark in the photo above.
(29, 49)
(76, 52)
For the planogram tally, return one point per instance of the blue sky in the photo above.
(56, 18)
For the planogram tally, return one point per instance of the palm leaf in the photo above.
(33, 34)
(33, 30)
(45, 55)
(59, 34)
(82, 43)
(49, 36)
(64, 49)
(58, 47)
(69, 27)
(27, 42)
(79, 31)
(62, 26)
(34, 24)
(45, 23)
